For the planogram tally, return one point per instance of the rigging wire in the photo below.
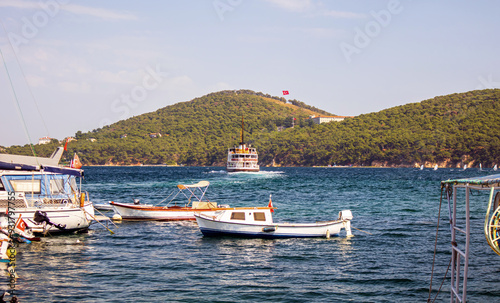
(17, 103)
(26, 81)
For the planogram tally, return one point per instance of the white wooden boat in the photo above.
(242, 158)
(173, 210)
(47, 197)
(257, 222)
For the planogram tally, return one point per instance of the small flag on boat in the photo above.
(66, 145)
(75, 163)
(20, 224)
(285, 92)
(270, 204)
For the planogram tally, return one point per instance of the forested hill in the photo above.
(196, 132)
(449, 130)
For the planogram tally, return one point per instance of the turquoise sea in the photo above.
(173, 262)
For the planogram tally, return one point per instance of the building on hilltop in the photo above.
(326, 119)
(44, 140)
(155, 135)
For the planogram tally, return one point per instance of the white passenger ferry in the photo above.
(242, 158)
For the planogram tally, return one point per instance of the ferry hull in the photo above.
(235, 170)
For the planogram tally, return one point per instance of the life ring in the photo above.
(496, 203)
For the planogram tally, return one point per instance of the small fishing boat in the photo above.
(43, 194)
(242, 158)
(172, 210)
(257, 222)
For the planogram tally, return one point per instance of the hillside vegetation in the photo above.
(449, 130)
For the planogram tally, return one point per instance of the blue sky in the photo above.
(79, 65)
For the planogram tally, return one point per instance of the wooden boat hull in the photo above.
(211, 227)
(158, 213)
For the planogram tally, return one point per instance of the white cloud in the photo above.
(97, 12)
(121, 77)
(74, 87)
(72, 8)
(221, 86)
(322, 32)
(313, 9)
(35, 81)
(19, 4)
(339, 14)
(293, 5)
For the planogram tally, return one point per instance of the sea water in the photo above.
(389, 259)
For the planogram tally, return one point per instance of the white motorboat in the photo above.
(257, 222)
(46, 196)
(173, 210)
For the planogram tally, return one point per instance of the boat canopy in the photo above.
(199, 184)
(51, 169)
(30, 163)
(487, 181)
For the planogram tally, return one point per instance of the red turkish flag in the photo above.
(270, 204)
(75, 163)
(285, 92)
(20, 224)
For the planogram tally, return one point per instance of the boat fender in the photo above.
(116, 217)
(268, 229)
(82, 199)
(11, 252)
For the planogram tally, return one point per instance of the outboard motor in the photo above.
(41, 216)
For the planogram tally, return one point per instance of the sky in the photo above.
(70, 65)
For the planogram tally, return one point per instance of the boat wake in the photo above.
(259, 174)
(217, 172)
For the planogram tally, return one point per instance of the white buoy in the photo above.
(116, 217)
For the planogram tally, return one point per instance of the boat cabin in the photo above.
(32, 188)
(254, 215)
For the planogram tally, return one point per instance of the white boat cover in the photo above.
(199, 184)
